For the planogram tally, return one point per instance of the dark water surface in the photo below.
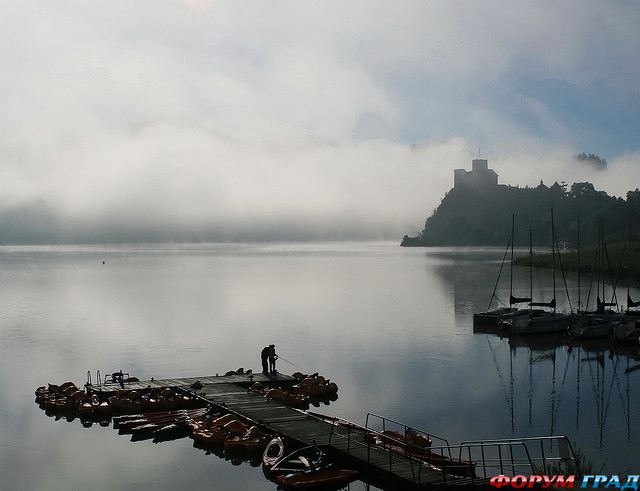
(392, 326)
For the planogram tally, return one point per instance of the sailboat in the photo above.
(507, 320)
(494, 317)
(602, 322)
(540, 321)
(631, 313)
(629, 329)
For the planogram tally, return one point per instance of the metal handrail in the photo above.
(108, 378)
(367, 433)
(544, 459)
(90, 380)
(484, 463)
(406, 444)
(412, 459)
(406, 427)
(479, 458)
(523, 439)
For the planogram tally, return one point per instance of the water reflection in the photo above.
(582, 388)
(391, 326)
(550, 384)
(591, 374)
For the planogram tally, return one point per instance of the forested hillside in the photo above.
(473, 217)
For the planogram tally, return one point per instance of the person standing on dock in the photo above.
(264, 356)
(118, 377)
(272, 358)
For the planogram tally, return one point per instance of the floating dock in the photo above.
(244, 379)
(348, 442)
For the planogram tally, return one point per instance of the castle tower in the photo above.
(479, 165)
(479, 177)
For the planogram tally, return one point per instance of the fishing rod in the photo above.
(289, 362)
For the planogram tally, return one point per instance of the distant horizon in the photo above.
(217, 119)
(211, 242)
(54, 231)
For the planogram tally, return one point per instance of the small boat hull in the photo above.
(627, 332)
(491, 317)
(273, 452)
(318, 479)
(541, 323)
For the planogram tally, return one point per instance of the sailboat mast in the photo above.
(579, 306)
(553, 258)
(530, 269)
(628, 251)
(598, 265)
(513, 220)
(602, 264)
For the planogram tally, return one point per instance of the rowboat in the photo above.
(333, 477)
(307, 467)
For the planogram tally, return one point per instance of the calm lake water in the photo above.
(392, 326)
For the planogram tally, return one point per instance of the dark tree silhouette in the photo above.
(479, 217)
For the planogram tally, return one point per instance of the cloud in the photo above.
(207, 119)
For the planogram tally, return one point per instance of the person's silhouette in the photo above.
(272, 358)
(264, 357)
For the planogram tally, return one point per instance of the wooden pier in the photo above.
(347, 443)
(187, 382)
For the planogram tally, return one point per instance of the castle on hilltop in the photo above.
(477, 211)
(480, 176)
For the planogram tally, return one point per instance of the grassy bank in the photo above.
(618, 261)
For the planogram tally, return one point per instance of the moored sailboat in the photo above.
(602, 322)
(540, 321)
(629, 329)
(494, 317)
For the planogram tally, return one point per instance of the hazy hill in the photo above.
(469, 216)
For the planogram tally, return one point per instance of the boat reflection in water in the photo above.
(587, 380)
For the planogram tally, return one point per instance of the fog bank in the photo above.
(214, 120)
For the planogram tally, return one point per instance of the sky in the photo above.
(266, 120)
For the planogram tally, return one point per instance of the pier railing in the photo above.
(389, 424)
(363, 443)
(473, 461)
(108, 379)
(544, 454)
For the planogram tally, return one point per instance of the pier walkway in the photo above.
(349, 443)
(187, 382)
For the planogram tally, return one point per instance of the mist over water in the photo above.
(202, 120)
(391, 326)
(210, 143)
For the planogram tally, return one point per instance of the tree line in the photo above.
(474, 217)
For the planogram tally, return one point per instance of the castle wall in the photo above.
(480, 176)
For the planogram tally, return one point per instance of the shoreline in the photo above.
(622, 264)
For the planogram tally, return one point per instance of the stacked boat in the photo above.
(159, 425)
(164, 399)
(310, 389)
(70, 400)
(228, 432)
(314, 385)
